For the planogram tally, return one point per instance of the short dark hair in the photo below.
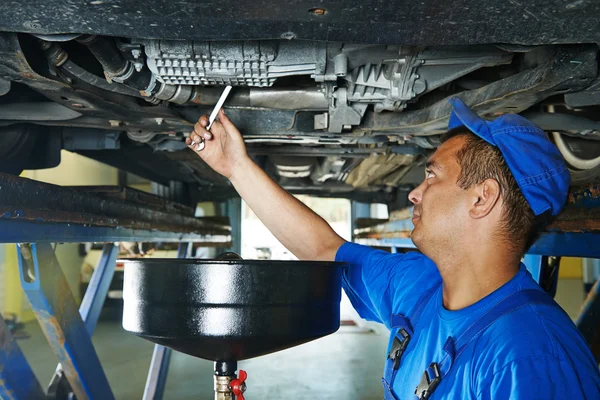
(479, 161)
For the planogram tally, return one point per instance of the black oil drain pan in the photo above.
(231, 309)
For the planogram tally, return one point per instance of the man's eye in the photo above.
(429, 174)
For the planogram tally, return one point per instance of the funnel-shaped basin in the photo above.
(231, 310)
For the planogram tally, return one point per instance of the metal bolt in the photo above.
(138, 66)
(419, 86)
(114, 123)
(136, 53)
(288, 35)
(159, 121)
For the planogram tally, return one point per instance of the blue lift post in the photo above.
(92, 302)
(588, 320)
(232, 208)
(161, 358)
(95, 294)
(52, 301)
(17, 380)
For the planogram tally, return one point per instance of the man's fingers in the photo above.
(200, 128)
(194, 138)
(226, 122)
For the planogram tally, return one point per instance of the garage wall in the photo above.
(76, 170)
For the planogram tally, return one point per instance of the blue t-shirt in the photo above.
(534, 352)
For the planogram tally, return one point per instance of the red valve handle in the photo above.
(238, 387)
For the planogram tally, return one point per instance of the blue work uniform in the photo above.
(531, 352)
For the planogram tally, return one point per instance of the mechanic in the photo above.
(467, 320)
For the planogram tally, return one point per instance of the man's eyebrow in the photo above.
(434, 164)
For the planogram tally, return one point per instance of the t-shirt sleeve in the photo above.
(538, 378)
(380, 284)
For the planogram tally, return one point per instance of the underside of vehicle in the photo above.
(342, 99)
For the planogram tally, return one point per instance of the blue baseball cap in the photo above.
(535, 162)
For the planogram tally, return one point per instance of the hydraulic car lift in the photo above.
(574, 233)
(36, 214)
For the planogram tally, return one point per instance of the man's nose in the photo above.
(416, 195)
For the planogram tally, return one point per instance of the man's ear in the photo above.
(485, 196)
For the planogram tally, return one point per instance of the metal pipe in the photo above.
(120, 70)
(223, 375)
(311, 98)
(117, 68)
(550, 121)
(106, 52)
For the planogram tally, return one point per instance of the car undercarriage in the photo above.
(343, 100)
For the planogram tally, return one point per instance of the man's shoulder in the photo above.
(521, 332)
(534, 331)
(352, 252)
(384, 265)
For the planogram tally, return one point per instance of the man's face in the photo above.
(441, 206)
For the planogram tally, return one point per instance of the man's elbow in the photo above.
(324, 251)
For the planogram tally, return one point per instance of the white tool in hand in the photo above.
(214, 114)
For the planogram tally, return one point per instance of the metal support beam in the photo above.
(90, 309)
(358, 210)
(18, 231)
(588, 320)
(232, 208)
(157, 376)
(17, 381)
(37, 212)
(533, 263)
(94, 297)
(591, 273)
(161, 358)
(54, 306)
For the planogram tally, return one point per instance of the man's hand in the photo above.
(297, 227)
(224, 149)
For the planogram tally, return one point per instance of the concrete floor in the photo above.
(345, 365)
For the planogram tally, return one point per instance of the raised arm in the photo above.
(296, 226)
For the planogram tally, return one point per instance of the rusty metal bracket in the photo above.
(52, 301)
(32, 211)
(17, 380)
